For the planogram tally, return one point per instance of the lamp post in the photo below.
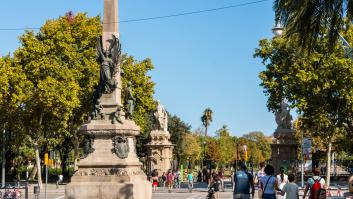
(203, 158)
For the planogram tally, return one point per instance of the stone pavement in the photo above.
(200, 192)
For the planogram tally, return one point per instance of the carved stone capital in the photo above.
(109, 172)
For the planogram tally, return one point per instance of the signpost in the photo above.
(46, 162)
(306, 150)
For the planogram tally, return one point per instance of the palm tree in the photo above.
(206, 119)
(306, 18)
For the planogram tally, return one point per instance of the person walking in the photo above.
(261, 173)
(164, 179)
(221, 178)
(315, 184)
(282, 179)
(269, 183)
(243, 181)
(290, 190)
(170, 180)
(177, 179)
(154, 180)
(190, 179)
(215, 185)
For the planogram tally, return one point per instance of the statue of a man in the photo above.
(283, 117)
(130, 101)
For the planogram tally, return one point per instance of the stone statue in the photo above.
(121, 146)
(96, 113)
(283, 117)
(88, 146)
(130, 101)
(161, 117)
(116, 116)
(109, 64)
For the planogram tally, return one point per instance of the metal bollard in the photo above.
(36, 192)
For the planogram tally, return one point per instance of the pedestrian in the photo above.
(243, 181)
(190, 179)
(269, 183)
(259, 174)
(177, 178)
(208, 178)
(199, 176)
(164, 179)
(282, 179)
(221, 178)
(154, 180)
(215, 185)
(315, 184)
(170, 180)
(290, 190)
(60, 180)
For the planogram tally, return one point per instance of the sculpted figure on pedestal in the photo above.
(161, 117)
(109, 64)
(283, 117)
(130, 99)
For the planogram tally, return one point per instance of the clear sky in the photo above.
(201, 60)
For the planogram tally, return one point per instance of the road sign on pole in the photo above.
(307, 143)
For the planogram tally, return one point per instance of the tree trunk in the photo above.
(328, 164)
(39, 174)
(34, 171)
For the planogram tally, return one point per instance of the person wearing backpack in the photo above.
(316, 185)
(243, 181)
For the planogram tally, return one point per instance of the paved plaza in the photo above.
(200, 192)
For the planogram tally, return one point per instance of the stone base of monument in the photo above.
(102, 188)
(110, 169)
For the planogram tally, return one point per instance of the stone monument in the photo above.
(284, 147)
(110, 168)
(160, 149)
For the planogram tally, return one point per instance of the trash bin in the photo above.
(36, 190)
(350, 183)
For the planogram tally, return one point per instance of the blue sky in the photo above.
(201, 60)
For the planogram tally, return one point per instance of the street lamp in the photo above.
(278, 29)
(203, 158)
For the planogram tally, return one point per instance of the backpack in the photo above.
(316, 189)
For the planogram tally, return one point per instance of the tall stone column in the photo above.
(110, 168)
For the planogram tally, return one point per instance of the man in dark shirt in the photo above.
(242, 183)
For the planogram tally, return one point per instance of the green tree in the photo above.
(206, 119)
(191, 147)
(177, 128)
(306, 18)
(259, 148)
(226, 145)
(59, 62)
(136, 72)
(213, 152)
(319, 85)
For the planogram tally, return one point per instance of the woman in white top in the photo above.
(269, 183)
(282, 179)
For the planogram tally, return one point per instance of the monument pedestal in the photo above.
(160, 151)
(284, 149)
(102, 173)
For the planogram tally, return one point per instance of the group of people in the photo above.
(170, 179)
(272, 186)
